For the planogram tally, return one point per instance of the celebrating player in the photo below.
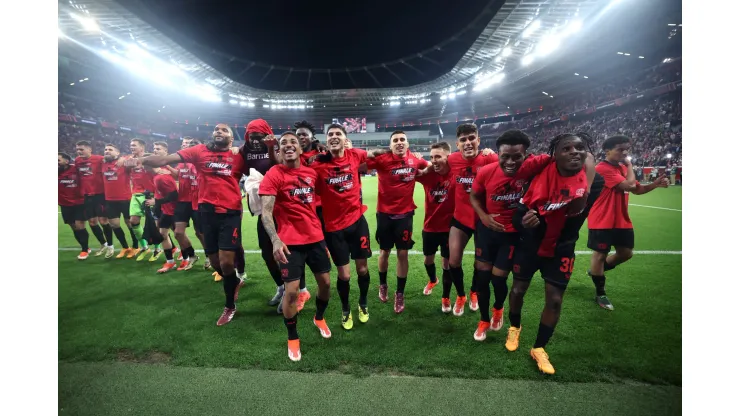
(164, 203)
(142, 181)
(464, 165)
(609, 222)
(72, 202)
(90, 175)
(117, 185)
(287, 193)
(560, 190)
(184, 208)
(347, 232)
(397, 170)
(220, 204)
(439, 205)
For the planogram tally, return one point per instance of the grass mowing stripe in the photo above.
(416, 252)
(650, 206)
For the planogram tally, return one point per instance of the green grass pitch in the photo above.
(114, 312)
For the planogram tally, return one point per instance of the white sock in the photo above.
(305, 289)
(171, 261)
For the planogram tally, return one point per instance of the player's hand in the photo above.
(122, 161)
(628, 162)
(149, 202)
(132, 162)
(490, 222)
(576, 207)
(486, 152)
(422, 172)
(662, 181)
(417, 155)
(530, 219)
(234, 150)
(321, 148)
(270, 140)
(280, 251)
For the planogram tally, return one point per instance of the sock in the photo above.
(98, 233)
(383, 278)
(168, 255)
(191, 252)
(108, 233)
(363, 282)
(121, 236)
(500, 291)
(302, 284)
(484, 293)
(292, 324)
(543, 336)
(139, 234)
(431, 272)
(515, 319)
(82, 237)
(599, 283)
(457, 280)
(474, 283)
(343, 290)
(400, 284)
(158, 246)
(230, 283)
(240, 261)
(134, 240)
(446, 283)
(608, 266)
(320, 308)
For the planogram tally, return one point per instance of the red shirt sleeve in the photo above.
(422, 164)
(361, 155)
(169, 185)
(479, 183)
(612, 175)
(271, 182)
(191, 154)
(492, 158)
(535, 164)
(374, 162)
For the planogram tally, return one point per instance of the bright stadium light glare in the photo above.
(506, 51)
(443, 97)
(498, 59)
(574, 27)
(531, 28)
(528, 59)
(60, 34)
(548, 45)
(87, 23)
(233, 102)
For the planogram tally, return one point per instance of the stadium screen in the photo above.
(352, 125)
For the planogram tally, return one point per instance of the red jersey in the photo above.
(294, 193)
(185, 179)
(194, 187)
(439, 201)
(90, 174)
(117, 182)
(142, 180)
(304, 161)
(610, 208)
(463, 174)
(164, 184)
(504, 192)
(69, 188)
(396, 182)
(339, 183)
(219, 173)
(550, 193)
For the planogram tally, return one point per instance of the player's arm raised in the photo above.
(630, 182)
(154, 161)
(279, 250)
(661, 182)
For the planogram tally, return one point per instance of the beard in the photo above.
(109, 158)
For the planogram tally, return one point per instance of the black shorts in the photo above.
(495, 248)
(197, 223)
(603, 240)
(430, 241)
(460, 226)
(221, 231)
(73, 213)
(114, 209)
(315, 255)
(94, 206)
(351, 242)
(398, 232)
(166, 221)
(554, 270)
(184, 212)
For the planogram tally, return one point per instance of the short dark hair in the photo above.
(465, 129)
(83, 143)
(303, 124)
(65, 156)
(187, 138)
(397, 132)
(194, 141)
(513, 138)
(163, 144)
(336, 126)
(113, 146)
(140, 141)
(441, 145)
(289, 133)
(614, 141)
(587, 140)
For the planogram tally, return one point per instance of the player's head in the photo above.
(137, 147)
(569, 151)
(336, 136)
(617, 148)
(83, 148)
(438, 155)
(187, 141)
(222, 135)
(160, 149)
(111, 152)
(290, 146)
(399, 143)
(305, 132)
(64, 161)
(257, 130)
(512, 150)
(468, 140)
(348, 143)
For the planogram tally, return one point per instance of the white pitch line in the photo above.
(416, 252)
(649, 206)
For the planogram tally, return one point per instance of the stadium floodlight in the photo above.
(576, 74)
(574, 27)
(87, 23)
(71, 83)
(395, 103)
(498, 59)
(462, 92)
(548, 45)
(506, 51)
(620, 53)
(641, 57)
(443, 97)
(243, 103)
(544, 93)
(205, 92)
(531, 28)
(233, 102)
(626, 54)
(528, 59)
(668, 156)
(585, 77)
(265, 106)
